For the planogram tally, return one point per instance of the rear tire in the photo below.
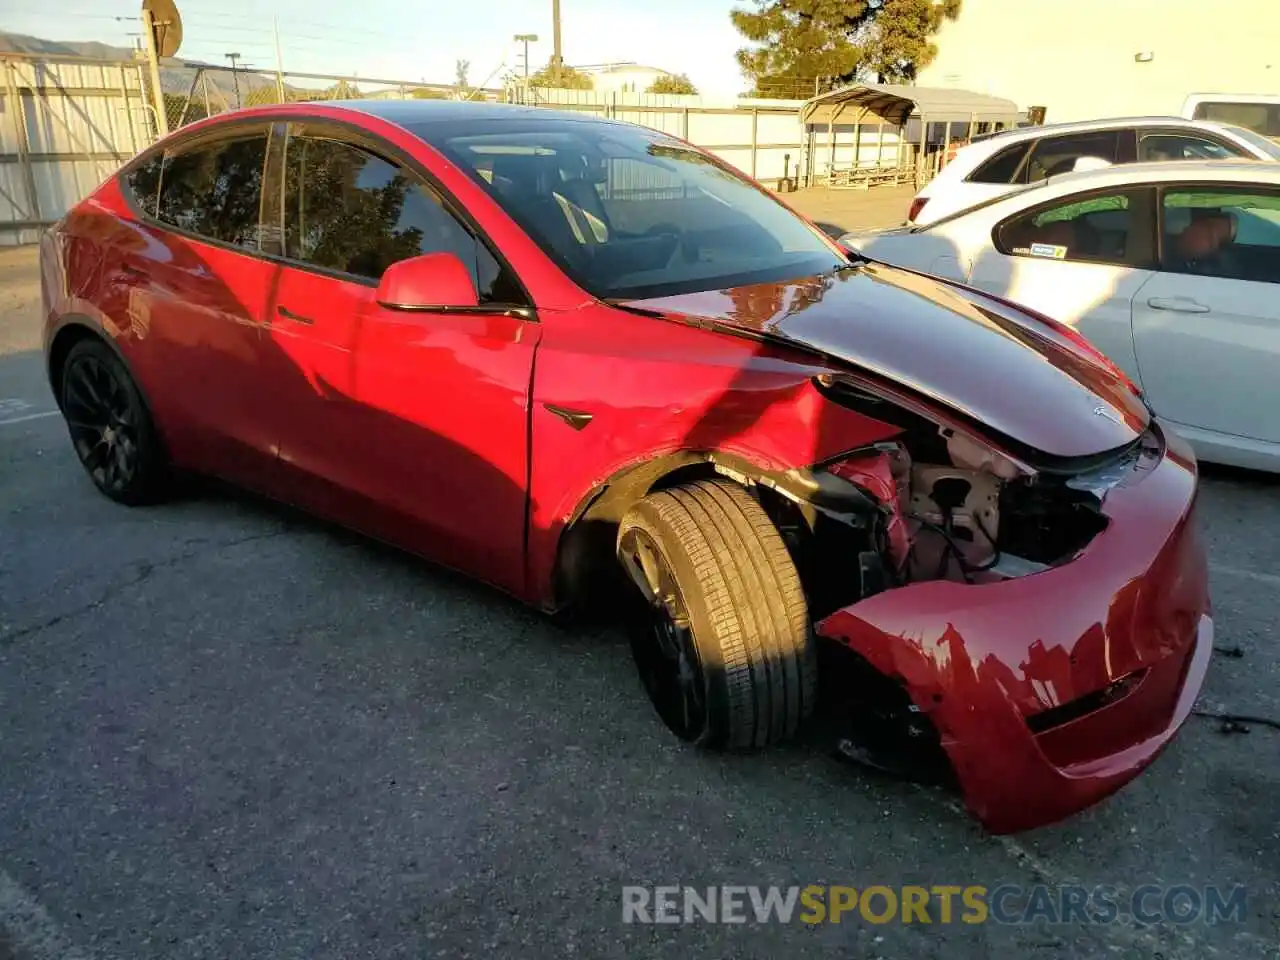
(726, 652)
(111, 429)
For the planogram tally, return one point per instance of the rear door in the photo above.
(1207, 325)
(411, 426)
(198, 284)
(1080, 259)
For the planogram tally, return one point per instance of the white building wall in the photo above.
(1077, 58)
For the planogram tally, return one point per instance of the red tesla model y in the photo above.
(571, 356)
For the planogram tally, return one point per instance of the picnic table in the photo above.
(864, 176)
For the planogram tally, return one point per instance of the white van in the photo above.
(1259, 112)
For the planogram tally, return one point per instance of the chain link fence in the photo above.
(195, 92)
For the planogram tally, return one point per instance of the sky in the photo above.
(407, 40)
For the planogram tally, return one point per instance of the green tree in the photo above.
(461, 85)
(673, 83)
(901, 41)
(565, 78)
(428, 93)
(833, 42)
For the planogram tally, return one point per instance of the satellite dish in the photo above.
(167, 24)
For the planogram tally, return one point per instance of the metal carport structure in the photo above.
(896, 104)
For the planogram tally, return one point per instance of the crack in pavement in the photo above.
(143, 569)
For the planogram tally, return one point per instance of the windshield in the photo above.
(1269, 147)
(629, 213)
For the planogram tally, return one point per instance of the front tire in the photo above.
(726, 652)
(110, 426)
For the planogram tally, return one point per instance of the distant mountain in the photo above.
(176, 75)
(215, 82)
(21, 43)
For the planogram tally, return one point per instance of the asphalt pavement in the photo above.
(230, 731)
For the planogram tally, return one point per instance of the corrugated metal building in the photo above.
(64, 126)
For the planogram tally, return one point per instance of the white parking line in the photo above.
(30, 416)
(30, 929)
(1270, 579)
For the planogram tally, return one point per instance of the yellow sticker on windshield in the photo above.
(1048, 250)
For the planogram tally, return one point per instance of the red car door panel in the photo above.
(196, 304)
(411, 426)
(204, 310)
(443, 440)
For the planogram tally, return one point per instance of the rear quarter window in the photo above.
(142, 183)
(1003, 166)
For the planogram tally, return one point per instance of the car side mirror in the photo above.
(432, 281)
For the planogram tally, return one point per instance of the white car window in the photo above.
(1178, 146)
(1055, 155)
(1003, 167)
(1226, 232)
(1111, 227)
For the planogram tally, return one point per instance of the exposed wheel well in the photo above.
(63, 341)
(587, 575)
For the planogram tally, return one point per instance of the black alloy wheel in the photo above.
(664, 651)
(110, 427)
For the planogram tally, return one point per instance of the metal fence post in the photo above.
(128, 108)
(153, 63)
(755, 139)
(18, 111)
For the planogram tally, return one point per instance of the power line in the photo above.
(221, 15)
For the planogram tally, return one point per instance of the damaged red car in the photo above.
(582, 359)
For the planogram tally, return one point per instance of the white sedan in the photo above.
(1172, 270)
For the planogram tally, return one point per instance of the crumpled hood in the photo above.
(983, 358)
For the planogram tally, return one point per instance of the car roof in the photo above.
(969, 157)
(1082, 126)
(402, 112)
(1224, 171)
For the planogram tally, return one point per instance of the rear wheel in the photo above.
(110, 427)
(724, 646)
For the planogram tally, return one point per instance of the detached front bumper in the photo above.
(1051, 691)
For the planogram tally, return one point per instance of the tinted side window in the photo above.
(143, 182)
(1233, 234)
(1002, 167)
(1178, 146)
(1054, 155)
(1104, 228)
(215, 189)
(349, 210)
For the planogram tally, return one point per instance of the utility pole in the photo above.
(526, 39)
(153, 65)
(235, 76)
(557, 60)
(279, 65)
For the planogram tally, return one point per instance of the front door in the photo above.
(1079, 259)
(1207, 326)
(410, 426)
